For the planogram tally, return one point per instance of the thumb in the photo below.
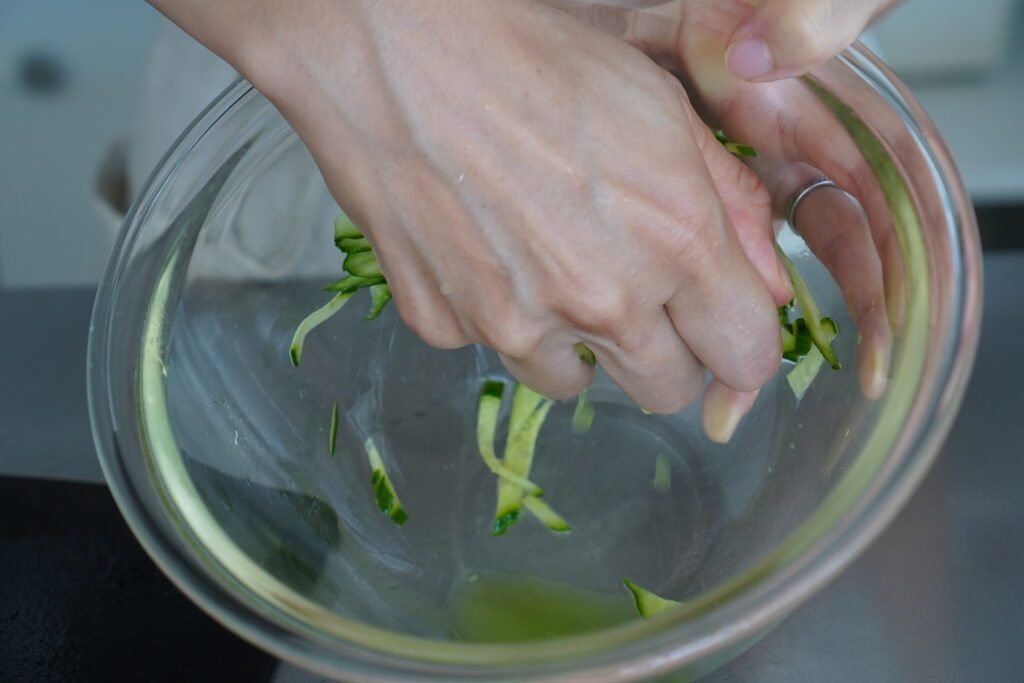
(783, 38)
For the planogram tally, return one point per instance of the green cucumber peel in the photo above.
(543, 512)
(363, 264)
(662, 473)
(351, 283)
(333, 441)
(809, 309)
(736, 148)
(488, 409)
(344, 228)
(380, 295)
(583, 414)
(384, 491)
(353, 245)
(647, 603)
(585, 354)
(502, 523)
(804, 372)
(801, 343)
(529, 410)
(315, 318)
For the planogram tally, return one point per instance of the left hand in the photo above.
(797, 140)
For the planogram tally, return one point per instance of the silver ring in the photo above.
(799, 196)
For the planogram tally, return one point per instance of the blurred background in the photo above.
(72, 72)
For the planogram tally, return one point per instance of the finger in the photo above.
(840, 160)
(748, 205)
(652, 365)
(808, 131)
(836, 230)
(417, 296)
(722, 409)
(723, 308)
(553, 369)
(726, 316)
(783, 38)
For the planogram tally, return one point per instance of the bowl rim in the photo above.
(647, 647)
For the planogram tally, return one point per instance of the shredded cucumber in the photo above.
(351, 283)
(529, 410)
(585, 353)
(312, 320)
(344, 228)
(387, 499)
(801, 376)
(380, 295)
(351, 245)
(736, 148)
(545, 514)
(363, 272)
(647, 603)
(333, 441)
(809, 309)
(363, 264)
(486, 426)
(662, 473)
(583, 415)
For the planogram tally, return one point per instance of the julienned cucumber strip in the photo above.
(647, 603)
(801, 376)
(583, 414)
(486, 426)
(344, 228)
(387, 499)
(543, 512)
(800, 343)
(380, 295)
(363, 264)
(585, 354)
(352, 245)
(333, 442)
(529, 410)
(809, 309)
(735, 147)
(351, 283)
(364, 271)
(312, 320)
(662, 473)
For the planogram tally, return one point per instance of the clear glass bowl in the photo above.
(216, 448)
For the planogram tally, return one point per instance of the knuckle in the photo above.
(759, 363)
(566, 390)
(674, 396)
(806, 27)
(600, 309)
(508, 336)
(438, 331)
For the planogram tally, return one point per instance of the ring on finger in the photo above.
(801, 194)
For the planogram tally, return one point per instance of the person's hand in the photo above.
(797, 141)
(782, 38)
(529, 182)
(768, 39)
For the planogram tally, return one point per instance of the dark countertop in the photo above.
(938, 597)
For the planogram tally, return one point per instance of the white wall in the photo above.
(50, 142)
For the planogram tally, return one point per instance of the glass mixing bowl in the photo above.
(216, 448)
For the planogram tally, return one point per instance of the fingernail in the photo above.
(749, 59)
(721, 412)
(874, 371)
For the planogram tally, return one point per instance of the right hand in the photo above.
(527, 182)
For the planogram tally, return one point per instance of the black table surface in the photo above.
(939, 596)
